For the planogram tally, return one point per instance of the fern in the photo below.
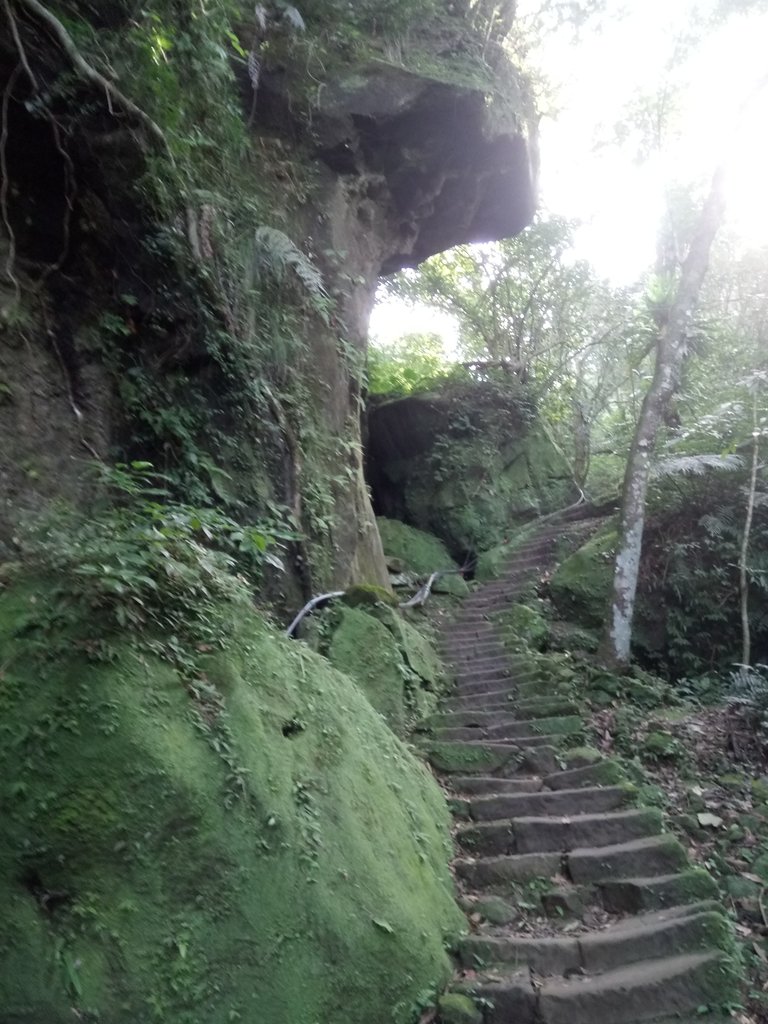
(697, 465)
(274, 254)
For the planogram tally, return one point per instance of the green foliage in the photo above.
(749, 692)
(415, 362)
(525, 305)
(144, 564)
(274, 254)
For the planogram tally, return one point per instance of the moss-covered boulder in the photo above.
(207, 850)
(524, 623)
(394, 665)
(363, 647)
(466, 463)
(582, 584)
(421, 553)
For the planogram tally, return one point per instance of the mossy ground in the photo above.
(146, 877)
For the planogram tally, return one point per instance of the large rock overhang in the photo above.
(449, 170)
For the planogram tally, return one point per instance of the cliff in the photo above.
(193, 234)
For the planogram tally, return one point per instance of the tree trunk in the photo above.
(671, 349)
(746, 640)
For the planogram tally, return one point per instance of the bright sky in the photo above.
(618, 200)
(587, 176)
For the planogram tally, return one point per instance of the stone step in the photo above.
(481, 681)
(484, 700)
(638, 894)
(490, 661)
(503, 760)
(658, 855)
(638, 992)
(482, 718)
(471, 784)
(496, 874)
(512, 730)
(551, 834)
(691, 929)
(634, 994)
(503, 705)
(589, 800)
(601, 773)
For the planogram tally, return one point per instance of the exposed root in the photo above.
(5, 184)
(90, 74)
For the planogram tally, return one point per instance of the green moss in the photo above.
(421, 553)
(462, 758)
(582, 584)
(660, 746)
(166, 899)
(456, 1008)
(364, 648)
(526, 623)
(367, 595)
(396, 667)
(581, 757)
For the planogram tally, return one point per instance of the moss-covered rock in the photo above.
(581, 586)
(526, 622)
(456, 1008)
(468, 462)
(396, 667)
(165, 857)
(368, 594)
(365, 649)
(421, 553)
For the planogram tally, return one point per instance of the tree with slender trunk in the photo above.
(671, 351)
(746, 639)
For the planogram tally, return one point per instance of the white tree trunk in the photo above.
(671, 350)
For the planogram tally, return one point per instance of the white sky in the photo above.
(618, 201)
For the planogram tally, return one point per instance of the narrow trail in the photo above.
(604, 920)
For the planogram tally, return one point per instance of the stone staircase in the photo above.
(619, 928)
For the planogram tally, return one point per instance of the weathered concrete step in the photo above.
(601, 773)
(525, 757)
(482, 718)
(488, 661)
(495, 874)
(481, 700)
(550, 834)
(640, 992)
(636, 994)
(503, 704)
(472, 784)
(590, 800)
(470, 678)
(637, 894)
(472, 682)
(568, 725)
(658, 855)
(692, 929)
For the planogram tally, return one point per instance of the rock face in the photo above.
(156, 860)
(128, 340)
(468, 464)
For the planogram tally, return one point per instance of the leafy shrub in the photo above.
(142, 561)
(749, 692)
